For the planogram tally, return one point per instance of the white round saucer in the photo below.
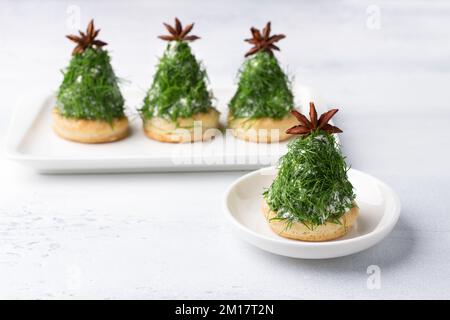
(379, 211)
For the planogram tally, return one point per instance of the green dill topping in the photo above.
(90, 89)
(312, 185)
(264, 90)
(179, 87)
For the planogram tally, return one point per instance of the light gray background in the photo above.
(164, 235)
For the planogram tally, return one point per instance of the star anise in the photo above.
(86, 40)
(178, 33)
(264, 41)
(306, 126)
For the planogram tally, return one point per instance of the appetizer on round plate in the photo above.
(89, 104)
(311, 198)
(259, 110)
(178, 107)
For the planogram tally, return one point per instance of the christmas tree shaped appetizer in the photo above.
(311, 198)
(259, 110)
(177, 107)
(89, 105)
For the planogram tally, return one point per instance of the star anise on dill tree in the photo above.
(178, 33)
(306, 126)
(86, 40)
(263, 41)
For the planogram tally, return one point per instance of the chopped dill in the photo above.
(263, 90)
(179, 87)
(312, 185)
(90, 88)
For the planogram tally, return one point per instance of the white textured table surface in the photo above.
(164, 235)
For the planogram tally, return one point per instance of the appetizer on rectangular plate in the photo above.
(89, 104)
(259, 110)
(178, 106)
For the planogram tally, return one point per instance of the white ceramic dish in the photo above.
(32, 142)
(379, 212)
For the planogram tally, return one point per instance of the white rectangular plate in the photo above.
(32, 142)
